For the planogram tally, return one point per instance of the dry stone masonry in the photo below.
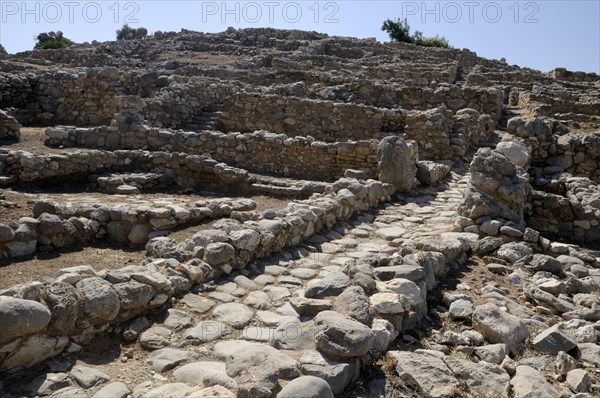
(374, 220)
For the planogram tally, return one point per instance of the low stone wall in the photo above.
(565, 172)
(183, 169)
(324, 120)
(556, 215)
(442, 135)
(10, 129)
(40, 319)
(554, 150)
(570, 76)
(560, 99)
(56, 225)
(261, 151)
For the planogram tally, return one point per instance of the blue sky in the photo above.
(537, 34)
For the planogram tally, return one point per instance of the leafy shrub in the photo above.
(128, 33)
(435, 41)
(3, 50)
(52, 40)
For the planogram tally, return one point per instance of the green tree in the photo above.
(399, 31)
(52, 40)
(3, 50)
(128, 33)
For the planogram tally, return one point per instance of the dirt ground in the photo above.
(32, 140)
(46, 265)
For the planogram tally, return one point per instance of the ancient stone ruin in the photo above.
(275, 213)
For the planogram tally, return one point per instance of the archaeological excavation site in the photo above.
(279, 213)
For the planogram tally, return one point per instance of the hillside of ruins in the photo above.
(281, 213)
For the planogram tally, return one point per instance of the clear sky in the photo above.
(536, 34)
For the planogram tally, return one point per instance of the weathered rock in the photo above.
(233, 314)
(113, 390)
(354, 302)
(499, 327)
(461, 309)
(216, 391)
(134, 295)
(177, 319)
(21, 317)
(167, 358)
(493, 353)
(331, 285)
(35, 349)
(483, 379)
(340, 336)
(310, 307)
(219, 253)
(100, 300)
(579, 380)
(430, 173)
(154, 338)
(542, 262)
(206, 331)
(337, 374)
(564, 363)
(306, 387)
(590, 352)
(205, 374)
(243, 358)
(63, 300)
(397, 162)
(530, 383)
(416, 370)
(170, 390)
(88, 377)
(514, 251)
(553, 340)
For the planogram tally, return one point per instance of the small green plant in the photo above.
(128, 33)
(52, 40)
(399, 31)
(435, 41)
(3, 50)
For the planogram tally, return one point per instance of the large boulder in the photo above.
(21, 317)
(498, 326)
(340, 336)
(397, 162)
(498, 188)
(306, 387)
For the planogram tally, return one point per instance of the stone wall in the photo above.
(556, 215)
(559, 99)
(56, 225)
(42, 318)
(10, 129)
(324, 120)
(259, 151)
(442, 135)
(91, 96)
(555, 150)
(565, 173)
(570, 76)
(485, 100)
(183, 169)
